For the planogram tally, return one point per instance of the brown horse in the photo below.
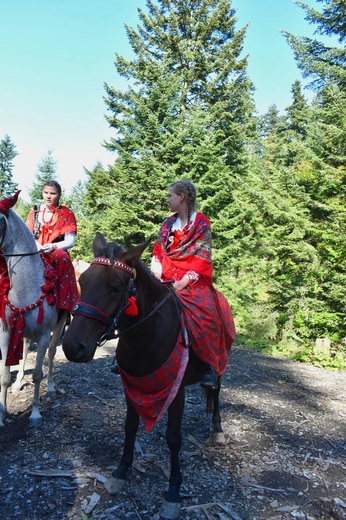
(148, 341)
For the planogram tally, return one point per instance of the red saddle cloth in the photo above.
(151, 395)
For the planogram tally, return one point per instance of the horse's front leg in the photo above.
(17, 385)
(54, 342)
(171, 506)
(35, 418)
(117, 481)
(5, 380)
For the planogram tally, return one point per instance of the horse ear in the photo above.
(133, 255)
(99, 244)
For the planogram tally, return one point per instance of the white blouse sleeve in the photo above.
(68, 242)
(156, 267)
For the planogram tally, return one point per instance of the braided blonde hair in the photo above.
(188, 189)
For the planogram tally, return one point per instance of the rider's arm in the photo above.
(68, 242)
(156, 267)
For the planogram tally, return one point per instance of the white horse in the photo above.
(26, 276)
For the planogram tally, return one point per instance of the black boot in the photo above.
(209, 379)
(115, 369)
(114, 366)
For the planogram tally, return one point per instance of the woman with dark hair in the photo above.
(54, 227)
(182, 253)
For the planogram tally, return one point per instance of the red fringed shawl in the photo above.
(183, 252)
(63, 221)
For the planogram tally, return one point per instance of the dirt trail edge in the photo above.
(285, 455)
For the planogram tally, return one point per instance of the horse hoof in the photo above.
(114, 485)
(170, 510)
(34, 422)
(219, 438)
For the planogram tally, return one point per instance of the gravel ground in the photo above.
(284, 457)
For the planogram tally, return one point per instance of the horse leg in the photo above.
(117, 481)
(4, 381)
(218, 434)
(17, 385)
(171, 506)
(35, 418)
(54, 342)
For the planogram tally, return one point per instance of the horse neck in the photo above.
(150, 290)
(26, 273)
(154, 332)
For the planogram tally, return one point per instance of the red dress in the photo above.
(63, 221)
(207, 310)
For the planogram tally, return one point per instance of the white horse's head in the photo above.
(15, 233)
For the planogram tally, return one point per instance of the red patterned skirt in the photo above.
(67, 290)
(211, 324)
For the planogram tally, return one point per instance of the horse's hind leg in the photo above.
(117, 481)
(218, 434)
(171, 506)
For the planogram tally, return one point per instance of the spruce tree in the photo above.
(321, 171)
(46, 171)
(187, 113)
(7, 154)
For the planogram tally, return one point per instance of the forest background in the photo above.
(273, 186)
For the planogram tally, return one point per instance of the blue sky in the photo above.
(56, 55)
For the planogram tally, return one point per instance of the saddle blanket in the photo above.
(151, 395)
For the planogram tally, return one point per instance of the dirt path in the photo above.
(285, 455)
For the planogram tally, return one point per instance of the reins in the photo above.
(154, 311)
(22, 254)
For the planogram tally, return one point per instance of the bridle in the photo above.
(90, 311)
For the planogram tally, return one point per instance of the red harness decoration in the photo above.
(16, 320)
(151, 395)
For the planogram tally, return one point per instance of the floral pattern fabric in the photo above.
(208, 313)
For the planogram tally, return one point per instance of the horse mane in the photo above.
(113, 250)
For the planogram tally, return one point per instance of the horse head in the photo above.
(106, 287)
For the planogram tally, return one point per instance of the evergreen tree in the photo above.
(187, 113)
(85, 218)
(7, 154)
(46, 171)
(322, 63)
(298, 113)
(319, 169)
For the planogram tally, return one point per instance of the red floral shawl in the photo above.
(187, 250)
(63, 221)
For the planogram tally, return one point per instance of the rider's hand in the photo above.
(48, 248)
(179, 285)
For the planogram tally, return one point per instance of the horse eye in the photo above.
(115, 289)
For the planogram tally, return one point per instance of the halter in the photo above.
(92, 312)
